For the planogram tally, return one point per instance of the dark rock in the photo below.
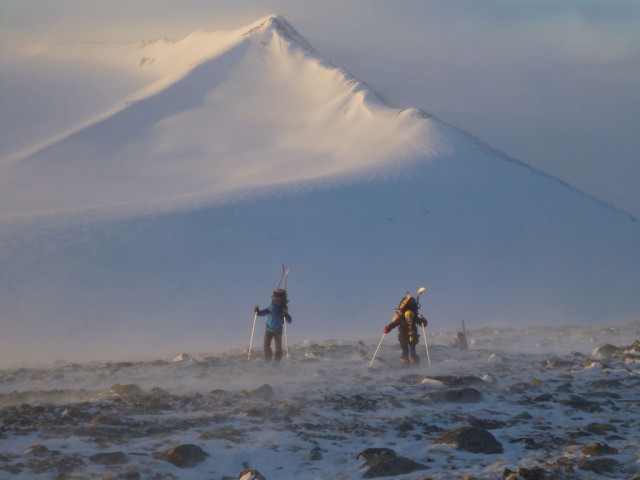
(130, 390)
(600, 465)
(605, 384)
(250, 475)
(545, 397)
(598, 450)
(564, 388)
(265, 392)
(384, 462)
(457, 395)
(580, 403)
(535, 473)
(471, 439)
(557, 363)
(523, 387)
(600, 428)
(315, 454)
(132, 475)
(486, 424)
(159, 392)
(111, 458)
(37, 450)
(456, 381)
(183, 456)
(606, 351)
(523, 416)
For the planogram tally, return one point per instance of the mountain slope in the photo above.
(257, 108)
(266, 154)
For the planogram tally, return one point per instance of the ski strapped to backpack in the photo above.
(408, 303)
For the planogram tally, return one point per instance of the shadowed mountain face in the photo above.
(167, 220)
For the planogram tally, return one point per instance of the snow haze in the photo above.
(154, 222)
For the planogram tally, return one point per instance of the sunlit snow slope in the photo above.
(157, 227)
(253, 107)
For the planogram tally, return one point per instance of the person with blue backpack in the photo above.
(277, 314)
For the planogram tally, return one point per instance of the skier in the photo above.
(407, 320)
(277, 313)
(460, 341)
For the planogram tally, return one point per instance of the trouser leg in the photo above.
(405, 352)
(412, 353)
(278, 338)
(268, 354)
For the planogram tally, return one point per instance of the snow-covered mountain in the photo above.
(158, 225)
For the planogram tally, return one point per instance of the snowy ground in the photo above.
(557, 404)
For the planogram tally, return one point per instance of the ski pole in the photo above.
(426, 345)
(255, 315)
(376, 352)
(286, 341)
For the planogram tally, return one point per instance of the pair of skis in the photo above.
(424, 334)
(283, 276)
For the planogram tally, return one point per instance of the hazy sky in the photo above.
(552, 83)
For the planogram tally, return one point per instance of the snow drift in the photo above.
(157, 226)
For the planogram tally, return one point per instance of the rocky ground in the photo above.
(494, 411)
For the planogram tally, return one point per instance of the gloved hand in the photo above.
(257, 309)
(386, 330)
(288, 318)
(423, 321)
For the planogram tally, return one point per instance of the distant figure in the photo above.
(460, 341)
(407, 320)
(277, 313)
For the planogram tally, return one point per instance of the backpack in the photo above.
(407, 303)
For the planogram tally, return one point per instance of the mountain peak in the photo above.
(277, 23)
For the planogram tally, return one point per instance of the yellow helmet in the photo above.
(409, 315)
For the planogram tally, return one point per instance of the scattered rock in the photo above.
(315, 454)
(130, 390)
(384, 462)
(486, 424)
(132, 475)
(471, 439)
(598, 450)
(535, 473)
(265, 392)
(605, 351)
(456, 395)
(456, 381)
(183, 456)
(111, 458)
(600, 465)
(583, 404)
(601, 428)
(496, 358)
(37, 450)
(183, 357)
(557, 363)
(250, 475)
